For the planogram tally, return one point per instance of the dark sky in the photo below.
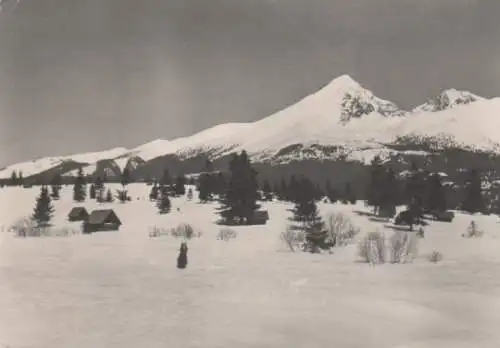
(87, 75)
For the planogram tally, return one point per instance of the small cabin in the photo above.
(78, 214)
(387, 212)
(102, 220)
(259, 217)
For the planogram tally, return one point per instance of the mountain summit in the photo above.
(448, 99)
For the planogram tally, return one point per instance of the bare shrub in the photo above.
(226, 234)
(435, 257)
(403, 246)
(473, 231)
(185, 231)
(155, 232)
(372, 248)
(26, 227)
(340, 228)
(293, 238)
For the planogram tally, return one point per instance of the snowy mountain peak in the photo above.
(448, 99)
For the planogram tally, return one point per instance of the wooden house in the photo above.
(78, 214)
(102, 220)
(259, 217)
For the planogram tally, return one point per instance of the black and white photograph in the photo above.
(249, 174)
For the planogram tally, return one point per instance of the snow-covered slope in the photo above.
(342, 119)
(448, 99)
(37, 166)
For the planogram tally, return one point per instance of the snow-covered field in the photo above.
(122, 289)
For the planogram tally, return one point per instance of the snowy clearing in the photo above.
(122, 289)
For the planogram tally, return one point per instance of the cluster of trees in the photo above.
(164, 189)
(286, 191)
(421, 191)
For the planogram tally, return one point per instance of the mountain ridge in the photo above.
(340, 120)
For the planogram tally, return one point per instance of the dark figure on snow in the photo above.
(182, 259)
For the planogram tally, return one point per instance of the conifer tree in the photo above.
(388, 195)
(43, 210)
(109, 196)
(166, 179)
(266, 190)
(55, 192)
(473, 199)
(125, 176)
(209, 167)
(20, 178)
(318, 192)
(180, 185)
(55, 185)
(13, 179)
(163, 203)
(79, 187)
(99, 189)
(204, 192)
(435, 194)
(153, 195)
(415, 191)
(276, 190)
(293, 187)
(283, 190)
(331, 193)
(376, 185)
(240, 201)
(305, 213)
(92, 191)
(219, 184)
(349, 196)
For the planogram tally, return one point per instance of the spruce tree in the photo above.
(473, 199)
(305, 214)
(153, 195)
(55, 192)
(349, 196)
(266, 190)
(220, 184)
(109, 196)
(180, 185)
(204, 190)
(163, 203)
(79, 187)
(13, 178)
(166, 179)
(292, 189)
(318, 192)
(435, 194)
(376, 187)
(415, 191)
(283, 190)
(276, 190)
(55, 184)
(240, 201)
(388, 195)
(99, 189)
(125, 176)
(43, 210)
(20, 179)
(92, 191)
